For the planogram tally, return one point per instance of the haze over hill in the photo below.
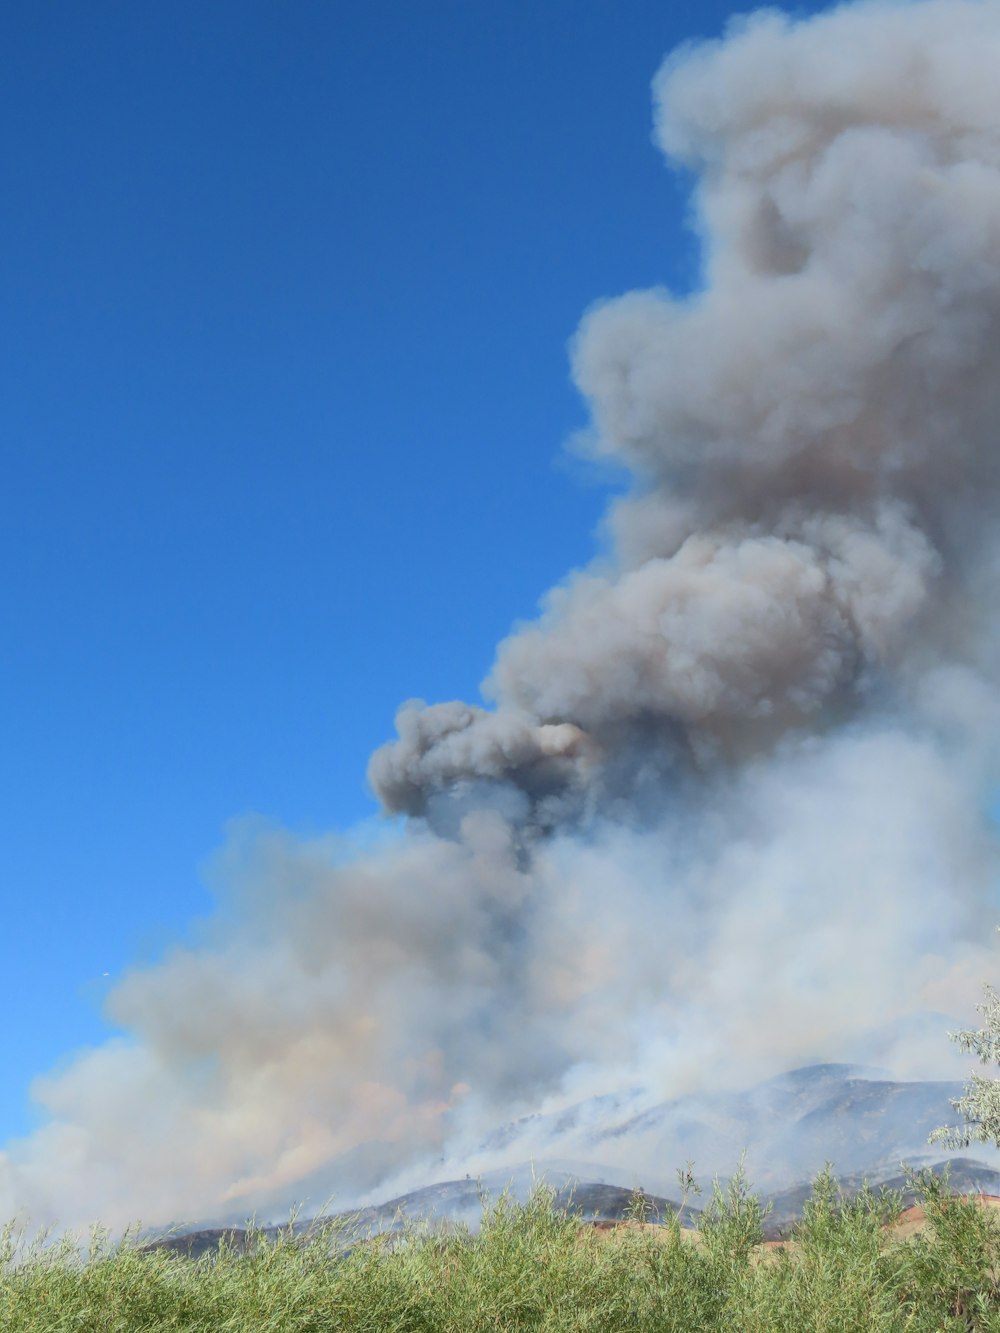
(726, 812)
(595, 1154)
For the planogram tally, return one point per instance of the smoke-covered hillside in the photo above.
(597, 1154)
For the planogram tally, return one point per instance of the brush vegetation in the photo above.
(533, 1266)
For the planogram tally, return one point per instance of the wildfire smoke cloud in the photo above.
(766, 714)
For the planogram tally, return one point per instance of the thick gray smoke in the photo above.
(728, 810)
(812, 437)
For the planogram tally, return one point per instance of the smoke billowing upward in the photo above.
(724, 812)
(811, 436)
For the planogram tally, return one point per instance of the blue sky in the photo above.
(287, 292)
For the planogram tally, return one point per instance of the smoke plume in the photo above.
(726, 808)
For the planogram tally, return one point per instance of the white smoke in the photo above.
(728, 811)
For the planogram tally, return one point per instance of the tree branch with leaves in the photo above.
(979, 1106)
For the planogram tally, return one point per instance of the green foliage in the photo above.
(533, 1267)
(979, 1107)
(953, 1266)
(732, 1224)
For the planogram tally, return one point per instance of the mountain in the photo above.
(788, 1127)
(444, 1203)
(594, 1154)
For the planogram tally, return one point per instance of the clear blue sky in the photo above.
(286, 293)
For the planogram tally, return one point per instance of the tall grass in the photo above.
(533, 1267)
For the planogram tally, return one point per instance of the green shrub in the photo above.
(534, 1267)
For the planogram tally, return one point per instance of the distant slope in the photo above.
(789, 1127)
(596, 1152)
